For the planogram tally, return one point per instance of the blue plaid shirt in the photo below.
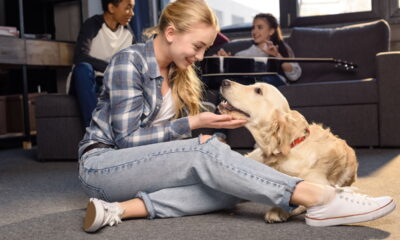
(129, 102)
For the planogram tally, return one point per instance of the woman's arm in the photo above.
(212, 120)
(126, 87)
(292, 70)
(87, 32)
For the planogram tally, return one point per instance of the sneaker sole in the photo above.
(378, 213)
(89, 224)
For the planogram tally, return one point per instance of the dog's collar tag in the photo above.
(300, 139)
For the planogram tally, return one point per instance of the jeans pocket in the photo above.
(93, 192)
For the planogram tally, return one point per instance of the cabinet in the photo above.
(23, 55)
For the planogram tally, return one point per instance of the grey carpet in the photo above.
(44, 201)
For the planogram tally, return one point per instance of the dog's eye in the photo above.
(258, 91)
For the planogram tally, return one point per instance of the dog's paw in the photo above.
(276, 215)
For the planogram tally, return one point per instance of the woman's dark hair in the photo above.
(104, 4)
(277, 37)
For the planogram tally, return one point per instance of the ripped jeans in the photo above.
(182, 177)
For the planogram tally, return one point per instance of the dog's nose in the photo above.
(226, 83)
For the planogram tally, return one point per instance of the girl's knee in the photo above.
(83, 67)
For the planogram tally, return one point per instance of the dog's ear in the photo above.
(283, 135)
(274, 134)
(298, 119)
(290, 126)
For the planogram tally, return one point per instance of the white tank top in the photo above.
(167, 110)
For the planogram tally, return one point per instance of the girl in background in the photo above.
(268, 42)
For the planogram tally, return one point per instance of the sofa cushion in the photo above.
(355, 43)
(56, 105)
(331, 93)
(357, 124)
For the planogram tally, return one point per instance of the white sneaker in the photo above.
(349, 207)
(100, 213)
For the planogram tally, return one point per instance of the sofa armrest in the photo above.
(388, 76)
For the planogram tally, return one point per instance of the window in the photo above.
(319, 12)
(237, 19)
(220, 16)
(308, 8)
(230, 12)
(240, 11)
(302, 12)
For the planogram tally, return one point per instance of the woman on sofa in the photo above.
(268, 42)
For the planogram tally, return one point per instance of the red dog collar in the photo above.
(300, 139)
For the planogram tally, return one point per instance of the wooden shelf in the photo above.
(24, 53)
(12, 50)
(35, 52)
(15, 135)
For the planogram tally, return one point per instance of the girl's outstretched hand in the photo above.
(212, 120)
(269, 48)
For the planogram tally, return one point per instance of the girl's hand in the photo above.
(204, 138)
(222, 53)
(269, 48)
(212, 120)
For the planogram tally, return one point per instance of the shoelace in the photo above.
(111, 217)
(357, 197)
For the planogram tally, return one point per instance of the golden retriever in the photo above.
(286, 141)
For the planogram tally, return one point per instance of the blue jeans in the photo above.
(86, 87)
(182, 177)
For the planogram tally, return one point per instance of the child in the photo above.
(100, 37)
(268, 42)
(134, 163)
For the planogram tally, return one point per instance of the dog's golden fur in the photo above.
(321, 157)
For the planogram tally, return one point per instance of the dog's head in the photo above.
(251, 102)
(270, 120)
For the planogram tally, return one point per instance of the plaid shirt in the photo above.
(130, 100)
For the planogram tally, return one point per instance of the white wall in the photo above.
(67, 21)
(245, 9)
(90, 8)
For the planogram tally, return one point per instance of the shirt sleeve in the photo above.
(295, 74)
(127, 98)
(87, 32)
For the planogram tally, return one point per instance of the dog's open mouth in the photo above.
(225, 106)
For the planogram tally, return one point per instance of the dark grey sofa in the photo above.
(361, 107)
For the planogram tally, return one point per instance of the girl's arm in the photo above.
(125, 85)
(87, 32)
(292, 70)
